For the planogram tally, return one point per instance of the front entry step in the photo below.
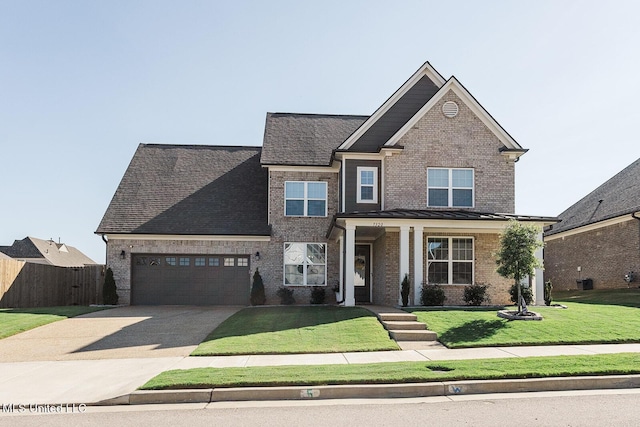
(392, 325)
(403, 326)
(397, 316)
(413, 335)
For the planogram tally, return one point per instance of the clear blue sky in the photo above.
(82, 83)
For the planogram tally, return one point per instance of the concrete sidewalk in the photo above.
(93, 381)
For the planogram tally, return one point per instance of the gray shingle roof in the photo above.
(190, 189)
(618, 196)
(41, 251)
(305, 139)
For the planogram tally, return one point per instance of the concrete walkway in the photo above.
(92, 381)
(108, 354)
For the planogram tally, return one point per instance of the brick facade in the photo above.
(459, 142)
(463, 141)
(605, 255)
(122, 267)
(386, 273)
(303, 230)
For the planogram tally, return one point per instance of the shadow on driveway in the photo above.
(119, 333)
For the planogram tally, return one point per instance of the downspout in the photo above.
(344, 253)
(106, 248)
(633, 215)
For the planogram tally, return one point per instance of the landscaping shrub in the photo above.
(475, 294)
(109, 293)
(432, 295)
(404, 291)
(547, 292)
(286, 296)
(317, 295)
(257, 290)
(527, 294)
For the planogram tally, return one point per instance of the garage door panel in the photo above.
(190, 279)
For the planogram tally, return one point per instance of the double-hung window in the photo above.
(367, 185)
(305, 264)
(450, 188)
(450, 260)
(302, 198)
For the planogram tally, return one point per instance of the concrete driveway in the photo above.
(119, 333)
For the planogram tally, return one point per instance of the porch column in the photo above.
(340, 294)
(537, 281)
(418, 266)
(404, 257)
(349, 261)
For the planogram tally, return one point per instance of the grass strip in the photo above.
(16, 320)
(296, 329)
(398, 372)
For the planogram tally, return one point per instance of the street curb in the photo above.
(372, 391)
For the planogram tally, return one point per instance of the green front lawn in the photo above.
(16, 320)
(400, 372)
(292, 329)
(592, 317)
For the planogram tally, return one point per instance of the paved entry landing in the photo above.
(405, 329)
(118, 333)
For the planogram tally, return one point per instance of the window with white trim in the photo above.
(367, 185)
(450, 188)
(305, 264)
(305, 198)
(450, 260)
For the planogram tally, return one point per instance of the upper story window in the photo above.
(367, 185)
(450, 188)
(302, 198)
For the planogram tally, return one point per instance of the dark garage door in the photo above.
(190, 279)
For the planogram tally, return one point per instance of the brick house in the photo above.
(422, 187)
(598, 237)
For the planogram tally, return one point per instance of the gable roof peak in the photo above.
(398, 108)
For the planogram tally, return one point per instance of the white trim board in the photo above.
(589, 227)
(165, 237)
(456, 87)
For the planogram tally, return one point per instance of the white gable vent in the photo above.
(450, 109)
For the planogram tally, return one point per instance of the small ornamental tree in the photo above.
(109, 294)
(516, 258)
(257, 290)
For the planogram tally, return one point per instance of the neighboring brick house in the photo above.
(598, 238)
(39, 251)
(423, 186)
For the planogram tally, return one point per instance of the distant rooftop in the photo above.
(40, 251)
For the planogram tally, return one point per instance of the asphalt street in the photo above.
(586, 408)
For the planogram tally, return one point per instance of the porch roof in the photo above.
(443, 214)
(438, 215)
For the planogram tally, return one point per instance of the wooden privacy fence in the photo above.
(26, 284)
